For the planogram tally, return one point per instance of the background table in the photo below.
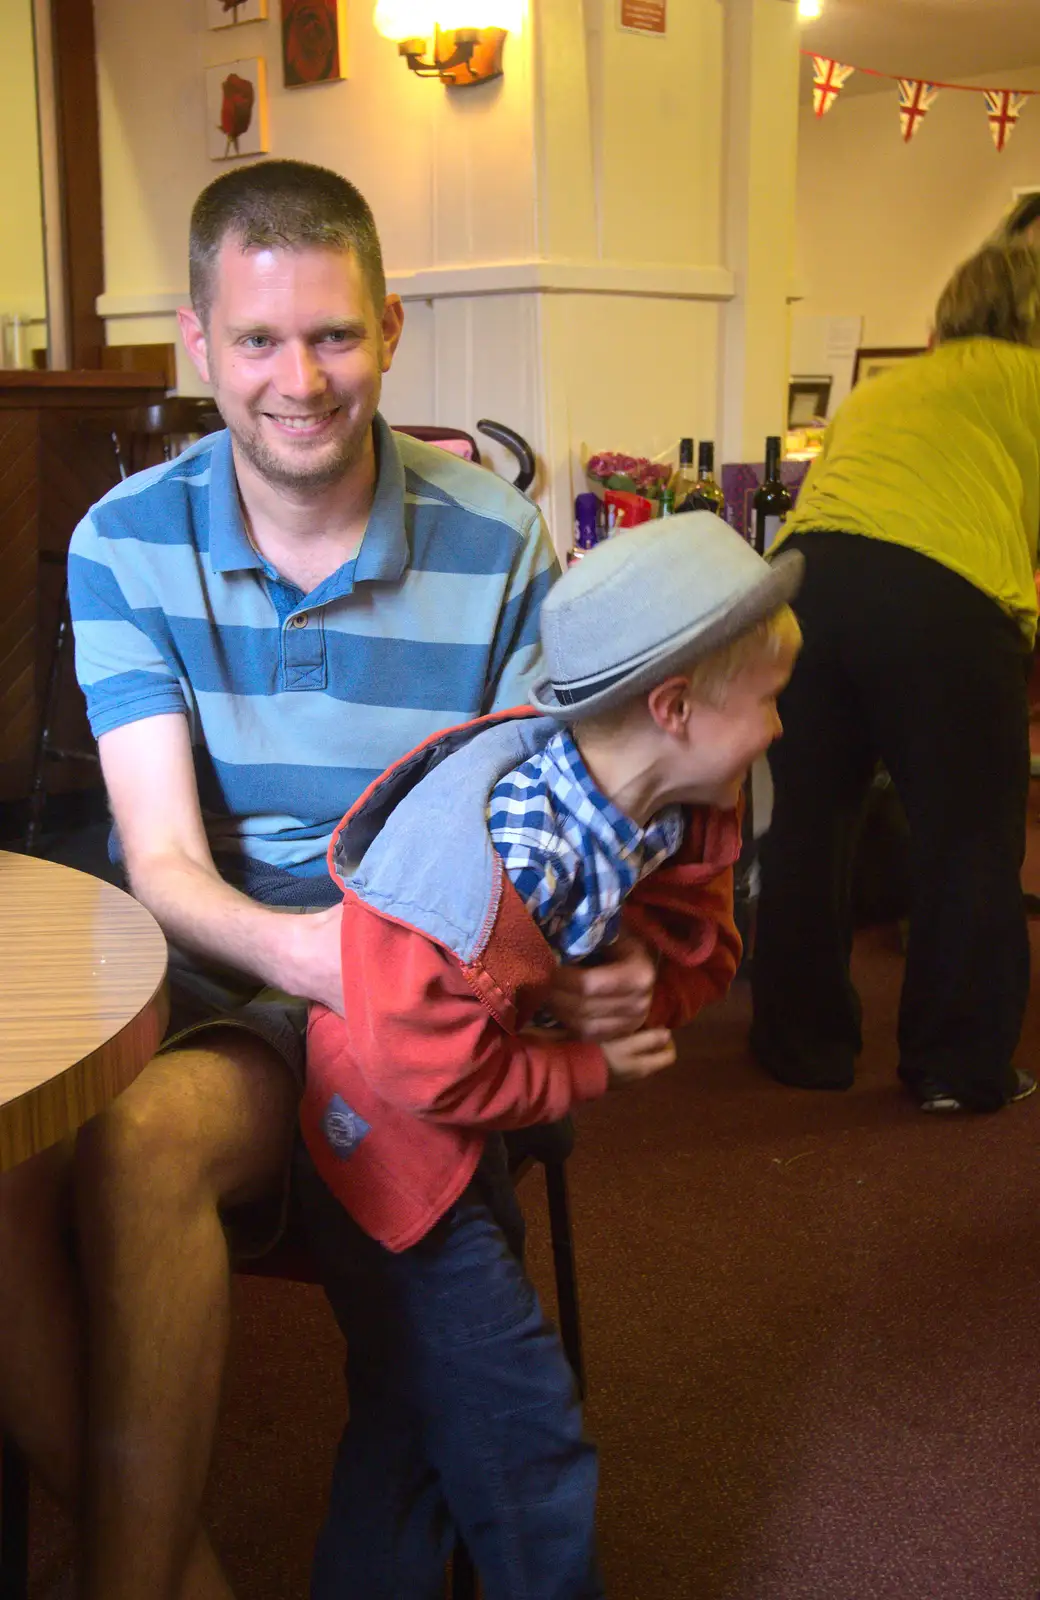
(82, 999)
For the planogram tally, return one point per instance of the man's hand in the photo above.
(609, 1001)
(312, 953)
(639, 1056)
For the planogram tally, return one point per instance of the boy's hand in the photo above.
(639, 1056)
(609, 1001)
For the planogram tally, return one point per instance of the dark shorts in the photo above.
(205, 998)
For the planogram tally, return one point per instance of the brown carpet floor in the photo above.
(813, 1338)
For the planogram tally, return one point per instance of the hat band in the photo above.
(574, 697)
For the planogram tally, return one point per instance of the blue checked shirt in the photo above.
(571, 855)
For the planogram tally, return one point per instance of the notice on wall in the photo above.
(644, 16)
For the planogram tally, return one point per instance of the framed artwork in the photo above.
(808, 400)
(869, 363)
(225, 13)
(236, 109)
(314, 42)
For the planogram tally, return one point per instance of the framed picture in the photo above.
(314, 42)
(236, 109)
(808, 400)
(225, 13)
(869, 363)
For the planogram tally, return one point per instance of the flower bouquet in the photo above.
(629, 474)
(631, 487)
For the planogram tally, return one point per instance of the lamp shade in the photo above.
(405, 19)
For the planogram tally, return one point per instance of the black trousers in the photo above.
(907, 662)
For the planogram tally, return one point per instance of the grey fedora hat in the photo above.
(647, 602)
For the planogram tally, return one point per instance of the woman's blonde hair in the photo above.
(993, 295)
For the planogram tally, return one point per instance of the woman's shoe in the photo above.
(934, 1098)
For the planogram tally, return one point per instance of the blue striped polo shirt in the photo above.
(296, 702)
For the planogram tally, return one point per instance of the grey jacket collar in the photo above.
(417, 846)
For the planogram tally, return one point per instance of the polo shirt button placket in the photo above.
(303, 660)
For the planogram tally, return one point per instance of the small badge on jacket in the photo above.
(343, 1128)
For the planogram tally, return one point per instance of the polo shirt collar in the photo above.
(383, 553)
(229, 546)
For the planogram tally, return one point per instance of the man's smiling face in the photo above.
(295, 351)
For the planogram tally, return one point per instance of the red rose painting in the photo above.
(237, 105)
(312, 41)
(236, 110)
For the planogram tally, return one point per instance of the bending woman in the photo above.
(919, 525)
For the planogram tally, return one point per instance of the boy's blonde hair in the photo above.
(710, 678)
(995, 295)
(766, 641)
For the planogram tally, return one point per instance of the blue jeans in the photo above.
(463, 1410)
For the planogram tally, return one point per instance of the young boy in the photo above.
(493, 852)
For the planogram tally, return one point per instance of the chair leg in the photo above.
(14, 1524)
(563, 1262)
(463, 1574)
(38, 795)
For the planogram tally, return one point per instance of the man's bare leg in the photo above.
(202, 1127)
(41, 1357)
(41, 1340)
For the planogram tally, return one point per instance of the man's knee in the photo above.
(136, 1147)
(199, 1126)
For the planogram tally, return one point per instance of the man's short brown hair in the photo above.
(281, 205)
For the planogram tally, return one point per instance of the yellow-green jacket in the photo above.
(942, 454)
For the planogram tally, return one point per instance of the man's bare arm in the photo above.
(150, 776)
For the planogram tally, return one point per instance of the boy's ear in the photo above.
(669, 704)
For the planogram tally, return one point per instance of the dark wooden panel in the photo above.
(56, 460)
(77, 467)
(147, 358)
(76, 390)
(18, 543)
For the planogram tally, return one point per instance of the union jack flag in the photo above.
(915, 100)
(829, 78)
(1003, 107)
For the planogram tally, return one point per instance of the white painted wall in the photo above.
(881, 224)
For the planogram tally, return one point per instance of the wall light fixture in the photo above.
(467, 36)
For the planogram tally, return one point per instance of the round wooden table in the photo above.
(82, 999)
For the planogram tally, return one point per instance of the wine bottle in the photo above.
(772, 501)
(682, 484)
(706, 494)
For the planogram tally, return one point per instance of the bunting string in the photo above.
(893, 77)
(918, 95)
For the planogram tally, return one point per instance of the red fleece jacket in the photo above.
(431, 1056)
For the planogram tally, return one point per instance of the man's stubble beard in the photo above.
(280, 475)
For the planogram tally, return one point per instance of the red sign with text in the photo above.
(644, 16)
